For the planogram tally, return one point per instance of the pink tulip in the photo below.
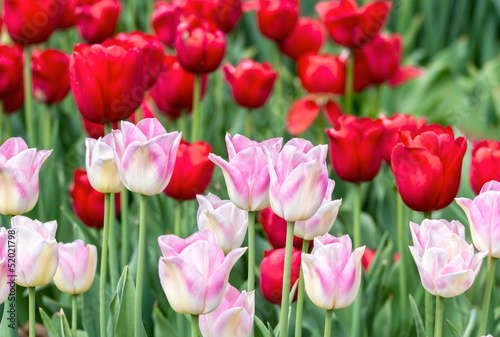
(76, 270)
(145, 155)
(299, 180)
(484, 218)
(446, 262)
(247, 174)
(19, 168)
(100, 165)
(332, 272)
(233, 317)
(4, 262)
(37, 252)
(194, 271)
(323, 220)
(228, 222)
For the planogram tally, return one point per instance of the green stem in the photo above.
(195, 126)
(251, 251)
(28, 99)
(73, 315)
(285, 295)
(278, 87)
(32, 311)
(438, 330)
(182, 124)
(349, 82)
(487, 295)
(125, 226)
(402, 247)
(8, 127)
(429, 315)
(178, 218)
(300, 296)
(321, 128)
(376, 104)
(328, 322)
(357, 242)
(1, 123)
(248, 123)
(132, 10)
(220, 115)
(46, 126)
(428, 215)
(113, 254)
(140, 266)
(194, 325)
(104, 263)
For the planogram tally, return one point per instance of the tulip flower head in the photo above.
(19, 168)
(11, 78)
(484, 163)
(446, 262)
(37, 252)
(50, 75)
(194, 272)
(277, 18)
(165, 18)
(226, 220)
(77, 265)
(332, 272)
(307, 37)
(4, 270)
(145, 155)
(233, 317)
(97, 19)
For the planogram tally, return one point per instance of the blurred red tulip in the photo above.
(32, 21)
(50, 75)
(200, 45)
(251, 82)
(484, 163)
(11, 78)
(106, 82)
(275, 229)
(322, 73)
(97, 19)
(165, 18)
(307, 37)
(304, 112)
(277, 18)
(355, 149)
(271, 274)
(13, 102)
(367, 258)
(350, 26)
(223, 13)
(88, 204)
(69, 17)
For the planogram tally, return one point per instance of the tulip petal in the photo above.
(301, 115)
(319, 281)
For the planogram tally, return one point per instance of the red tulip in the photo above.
(200, 45)
(32, 21)
(223, 13)
(151, 51)
(355, 149)
(88, 204)
(271, 274)
(484, 163)
(165, 18)
(173, 91)
(275, 229)
(393, 126)
(14, 102)
(427, 167)
(68, 17)
(106, 82)
(11, 78)
(251, 82)
(50, 75)
(97, 19)
(322, 73)
(307, 37)
(277, 18)
(192, 171)
(367, 258)
(228, 14)
(350, 26)
(304, 112)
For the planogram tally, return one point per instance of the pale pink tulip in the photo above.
(19, 168)
(194, 271)
(227, 221)
(101, 166)
(323, 220)
(299, 180)
(233, 317)
(37, 252)
(484, 218)
(246, 174)
(332, 272)
(76, 270)
(446, 262)
(4, 262)
(145, 155)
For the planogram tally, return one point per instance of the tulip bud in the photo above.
(277, 18)
(484, 163)
(4, 265)
(68, 18)
(97, 19)
(76, 270)
(322, 74)
(275, 229)
(307, 37)
(165, 18)
(50, 75)
(11, 78)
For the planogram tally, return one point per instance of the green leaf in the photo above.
(419, 324)
(49, 325)
(262, 327)
(453, 329)
(90, 309)
(275, 332)
(162, 326)
(4, 327)
(383, 320)
(126, 313)
(66, 331)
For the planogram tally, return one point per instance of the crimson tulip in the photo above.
(88, 204)
(165, 18)
(68, 17)
(97, 19)
(427, 167)
(271, 273)
(355, 149)
(107, 81)
(192, 171)
(200, 45)
(223, 13)
(13, 102)
(351, 26)
(11, 78)
(307, 37)
(50, 75)
(484, 163)
(277, 18)
(251, 82)
(275, 229)
(32, 21)
(322, 74)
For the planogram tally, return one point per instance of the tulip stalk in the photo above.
(285, 295)
(328, 322)
(32, 311)
(402, 247)
(140, 266)
(125, 227)
(196, 122)
(177, 220)
(28, 78)
(349, 82)
(438, 329)
(73, 315)
(376, 104)
(487, 295)
(300, 296)
(429, 315)
(248, 123)
(113, 254)
(251, 251)
(1, 123)
(194, 325)
(104, 263)
(357, 242)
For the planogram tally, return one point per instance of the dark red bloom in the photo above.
(69, 17)
(355, 149)
(251, 82)
(484, 163)
(97, 19)
(50, 75)
(223, 13)
(275, 229)
(307, 37)
(271, 274)
(277, 18)
(165, 18)
(88, 204)
(322, 73)
(11, 78)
